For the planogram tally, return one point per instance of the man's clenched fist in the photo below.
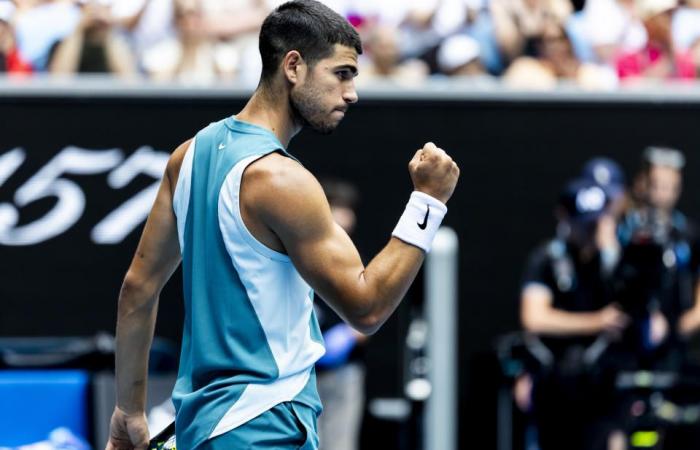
(433, 172)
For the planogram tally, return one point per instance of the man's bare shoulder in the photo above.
(282, 189)
(276, 172)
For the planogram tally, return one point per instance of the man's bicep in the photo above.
(320, 249)
(331, 264)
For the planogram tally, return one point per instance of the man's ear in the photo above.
(293, 67)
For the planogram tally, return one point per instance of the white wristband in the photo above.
(420, 220)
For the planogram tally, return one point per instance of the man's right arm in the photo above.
(292, 204)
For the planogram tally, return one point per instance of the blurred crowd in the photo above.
(529, 43)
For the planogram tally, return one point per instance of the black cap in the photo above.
(607, 173)
(584, 200)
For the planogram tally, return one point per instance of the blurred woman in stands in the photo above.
(383, 60)
(555, 61)
(214, 40)
(659, 59)
(95, 46)
(520, 25)
(146, 23)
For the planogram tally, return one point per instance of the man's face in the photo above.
(323, 95)
(384, 47)
(582, 232)
(663, 187)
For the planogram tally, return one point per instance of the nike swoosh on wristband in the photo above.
(425, 220)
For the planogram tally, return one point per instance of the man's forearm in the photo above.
(385, 281)
(135, 325)
(563, 323)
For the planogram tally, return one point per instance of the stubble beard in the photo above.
(308, 112)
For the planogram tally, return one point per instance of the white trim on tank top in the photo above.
(281, 300)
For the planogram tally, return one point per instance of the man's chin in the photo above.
(325, 128)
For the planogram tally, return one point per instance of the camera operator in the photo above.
(660, 264)
(567, 303)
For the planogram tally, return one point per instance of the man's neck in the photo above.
(271, 110)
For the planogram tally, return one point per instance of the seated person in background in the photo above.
(554, 60)
(659, 59)
(383, 59)
(147, 23)
(95, 46)
(40, 24)
(189, 55)
(458, 56)
(520, 24)
(214, 40)
(567, 302)
(609, 27)
(10, 59)
(234, 26)
(685, 27)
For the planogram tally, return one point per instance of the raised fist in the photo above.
(433, 172)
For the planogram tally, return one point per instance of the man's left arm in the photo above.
(156, 258)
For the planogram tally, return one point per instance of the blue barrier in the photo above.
(34, 403)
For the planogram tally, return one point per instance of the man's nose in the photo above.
(350, 94)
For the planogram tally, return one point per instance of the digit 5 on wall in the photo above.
(70, 204)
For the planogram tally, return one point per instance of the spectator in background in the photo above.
(470, 18)
(604, 29)
(555, 61)
(233, 25)
(520, 25)
(384, 60)
(10, 59)
(189, 54)
(674, 307)
(40, 25)
(412, 21)
(686, 25)
(659, 59)
(95, 46)
(147, 23)
(214, 40)
(458, 56)
(340, 371)
(567, 302)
